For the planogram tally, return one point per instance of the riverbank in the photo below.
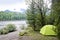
(10, 36)
(15, 36)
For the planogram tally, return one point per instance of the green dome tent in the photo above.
(48, 30)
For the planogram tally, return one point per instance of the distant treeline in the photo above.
(11, 16)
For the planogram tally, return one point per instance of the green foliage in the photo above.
(28, 32)
(36, 14)
(56, 12)
(29, 29)
(38, 21)
(50, 19)
(34, 35)
(58, 31)
(3, 31)
(11, 16)
(11, 27)
(21, 33)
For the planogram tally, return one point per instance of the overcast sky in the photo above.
(13, 5)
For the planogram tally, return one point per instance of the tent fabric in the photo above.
(48, 30)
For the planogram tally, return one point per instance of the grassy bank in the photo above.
(35, 35)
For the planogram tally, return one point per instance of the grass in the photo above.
(35, 35)
(38, 36)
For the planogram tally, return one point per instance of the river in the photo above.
(18, 24)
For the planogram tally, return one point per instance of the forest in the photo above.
(10, 15)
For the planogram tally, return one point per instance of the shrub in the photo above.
(28, 32)
(1, 31)
(5, 31)
(21, 33)
(11, 27)
(29, 28)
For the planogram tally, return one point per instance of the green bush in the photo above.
(29, 29)
(11, 27)
(7, 29)
(1, 31)
(21, 33)
(28, 32)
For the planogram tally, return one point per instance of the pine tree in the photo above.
(31, 15)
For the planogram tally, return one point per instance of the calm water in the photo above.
(18, 24)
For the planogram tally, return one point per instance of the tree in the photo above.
(11, 16)
(40, 6)
(31, 15)
(37, 13)
(41, 10)
(56, 12)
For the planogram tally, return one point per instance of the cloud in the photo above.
(15, 6)
(4, 2)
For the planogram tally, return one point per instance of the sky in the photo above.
(13, 5)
